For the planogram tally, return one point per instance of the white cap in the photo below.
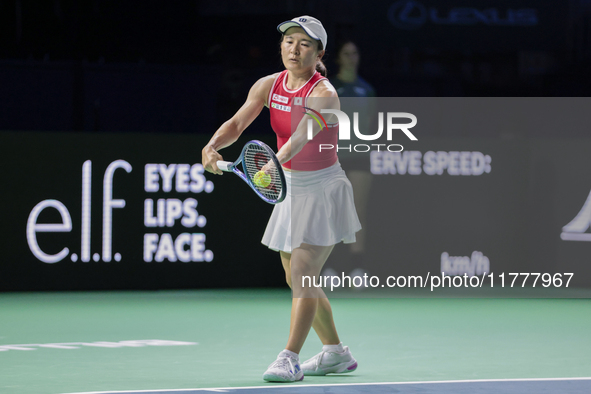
(312, 26)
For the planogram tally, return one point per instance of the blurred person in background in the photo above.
(348, 83)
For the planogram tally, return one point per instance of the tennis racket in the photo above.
(255, 155)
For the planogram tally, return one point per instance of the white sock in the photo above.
(289, 353)
(334, 348)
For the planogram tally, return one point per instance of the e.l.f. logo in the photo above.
(66, 225)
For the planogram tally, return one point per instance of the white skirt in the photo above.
(318, 210)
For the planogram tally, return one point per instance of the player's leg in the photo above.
(334, 357)
(286, 262)
(307, 260)
(323, 322)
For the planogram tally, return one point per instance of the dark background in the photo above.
(186, 66)
(150, 81)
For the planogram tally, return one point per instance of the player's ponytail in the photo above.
(320, 67)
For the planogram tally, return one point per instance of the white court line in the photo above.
(221, 389)
(102, 344)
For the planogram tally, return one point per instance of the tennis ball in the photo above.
(261, 179)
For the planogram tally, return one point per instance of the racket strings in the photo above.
(255, 159)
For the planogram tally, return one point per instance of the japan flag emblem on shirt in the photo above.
(297, 101)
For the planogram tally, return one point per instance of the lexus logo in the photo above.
(411, 15)
(407, 14)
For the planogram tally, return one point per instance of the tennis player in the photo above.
(319, 211)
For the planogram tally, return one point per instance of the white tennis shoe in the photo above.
(284, 369)
(330, 362)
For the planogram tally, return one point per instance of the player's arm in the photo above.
(229, 132)
(324, 96)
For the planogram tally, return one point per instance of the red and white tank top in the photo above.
(287, 110)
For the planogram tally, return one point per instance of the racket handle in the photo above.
(224, 165)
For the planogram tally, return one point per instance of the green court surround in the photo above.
(240, 332)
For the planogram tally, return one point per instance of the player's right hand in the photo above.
(209, 158)
(269, 167)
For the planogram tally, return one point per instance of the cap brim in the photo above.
(282, 28)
